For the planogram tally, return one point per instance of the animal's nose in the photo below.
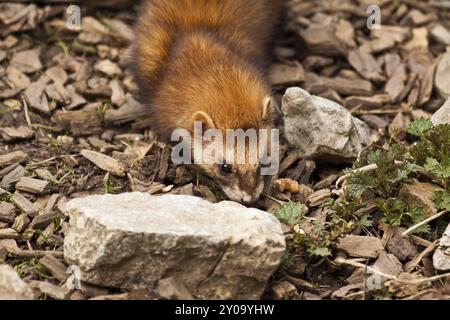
(249, 200)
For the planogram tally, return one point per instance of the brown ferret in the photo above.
(206, 60)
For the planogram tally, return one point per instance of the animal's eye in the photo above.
(226, 168)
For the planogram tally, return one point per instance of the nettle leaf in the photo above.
(402, 173)
(442, 200)
(416, 214)
(419, 127)
(290, 213)
(374, 156)
(440, 169)
(365, 221)
(359, 182)
(320, 251)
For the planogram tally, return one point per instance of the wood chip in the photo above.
(108, 67)
(397, 244)
(388, 264)
(128, 112)
(8, 234)
(32, 185)
(378, 45)
(58, 93)
(104, 162)
(12, 177)
(366, 65)
(7, 212)
(8, 169)
(51, 203)
(55, 266)
(346, 87)
(10, 158)
(76, 100)
(420, 194)
(285, 74)
(82, 122)
(389, 33)
(119, 30)
(419, 40)
(43, 220)
(118, 94)
(46, 175)
(20, 222)
(24, 204)
(17, 79)
(27, 61)
(318, 197)
(323, 41)
(391, 63)
(35, 95)
(11, 134)
(57, 74)
(374, 102)
(360, 246)
(396, 83)
(49, 289)
(317, 62)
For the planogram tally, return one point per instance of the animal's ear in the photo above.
(267, 108)
(204, 119)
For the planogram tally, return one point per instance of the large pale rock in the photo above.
(12, 287)
(441, 257)
(442, 79)
(442, 116)
(132, 240)
(321, 128)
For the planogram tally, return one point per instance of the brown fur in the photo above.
(204, 56)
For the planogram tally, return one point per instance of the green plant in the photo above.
(371, 192)
(290, 213)
(432, 150)
(397, 213)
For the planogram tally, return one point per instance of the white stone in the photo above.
(442, 78)
(441, 34)
(131, 240)
(442, 116)
(441, 257)
(12, 287)
(321, 128)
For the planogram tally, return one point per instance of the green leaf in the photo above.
(442, 200)
(439, 169)
(419, 127)
(290, 213)
(365, 221)
(320, 251)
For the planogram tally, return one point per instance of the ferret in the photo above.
(206, 61)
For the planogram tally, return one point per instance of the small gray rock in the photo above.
(441, 257)
(320, 128)
(132, 240)
(12, 287)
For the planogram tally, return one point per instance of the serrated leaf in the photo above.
(320, 251)
(442, 200)
(419, 127)
(290, 213)
(439, 169)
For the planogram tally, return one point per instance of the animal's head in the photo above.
(232, 157)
